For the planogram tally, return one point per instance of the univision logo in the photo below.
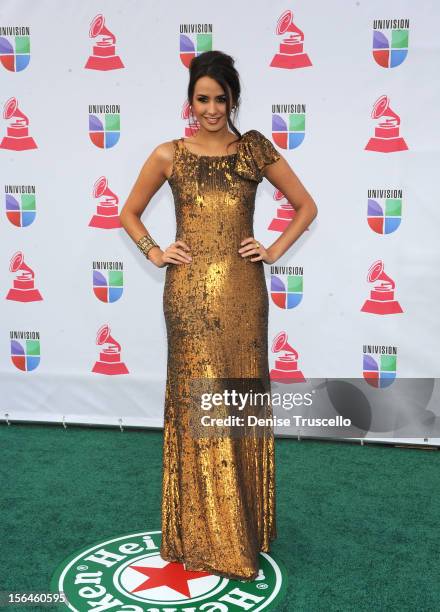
(20, 204)
(195, 38)
(288, 125)
(286, 286)
(379, 365)
(25, 350)
(15, 48)
(104, 125)
(108, 280)
(384, 210)
(390, 41)
(127, 573)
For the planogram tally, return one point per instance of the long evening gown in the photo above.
(218, 493)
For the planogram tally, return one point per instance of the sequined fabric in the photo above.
(218, 494)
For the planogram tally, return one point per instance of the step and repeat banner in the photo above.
(348, 93)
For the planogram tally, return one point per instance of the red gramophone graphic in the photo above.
(23, 288)
(286, 367)
(193, 125)
(386, 134)
(382, 295)
(104, 52)
(110, 357)
(17, 138)
(291, 53)
(285, 213)
(107, 214)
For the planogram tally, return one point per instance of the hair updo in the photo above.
(220, 67)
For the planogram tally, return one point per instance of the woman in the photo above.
(218, 491)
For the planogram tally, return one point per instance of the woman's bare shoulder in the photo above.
(162, 157)
(164, 151)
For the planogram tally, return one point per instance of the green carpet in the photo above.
(358, 526)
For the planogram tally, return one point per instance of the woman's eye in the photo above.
(203, 100)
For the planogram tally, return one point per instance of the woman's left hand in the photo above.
(251, 246)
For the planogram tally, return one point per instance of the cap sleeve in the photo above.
(255, 152)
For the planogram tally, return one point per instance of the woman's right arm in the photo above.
(152, 176)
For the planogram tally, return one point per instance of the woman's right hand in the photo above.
(176, 253)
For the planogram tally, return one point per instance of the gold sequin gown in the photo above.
(218, 494)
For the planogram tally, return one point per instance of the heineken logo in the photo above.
(127, 573)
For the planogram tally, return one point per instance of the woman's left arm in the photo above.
(281, 175)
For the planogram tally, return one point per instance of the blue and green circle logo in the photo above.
(128, 573)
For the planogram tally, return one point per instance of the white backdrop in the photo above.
(327, 328)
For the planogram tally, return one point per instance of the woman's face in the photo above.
(209, 104)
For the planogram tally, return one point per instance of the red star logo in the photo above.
(173, 575)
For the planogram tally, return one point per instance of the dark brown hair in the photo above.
(220, 67)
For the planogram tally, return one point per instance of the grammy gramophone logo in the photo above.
(191, 124)
(107, 212)
(286, 368)
(286, 286)
(284, 214)
(109, 361)
(390, 42)
(382, 300)
(17, 133)
(108, 280)
(15, 47)
(288, 125)
(104, 56)
(25, 350)
(195, 38)
(23, 289)
(104, 125)
(20, 204)
(384, 210)
(386, 137)
(379, 365)
(291, 50)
